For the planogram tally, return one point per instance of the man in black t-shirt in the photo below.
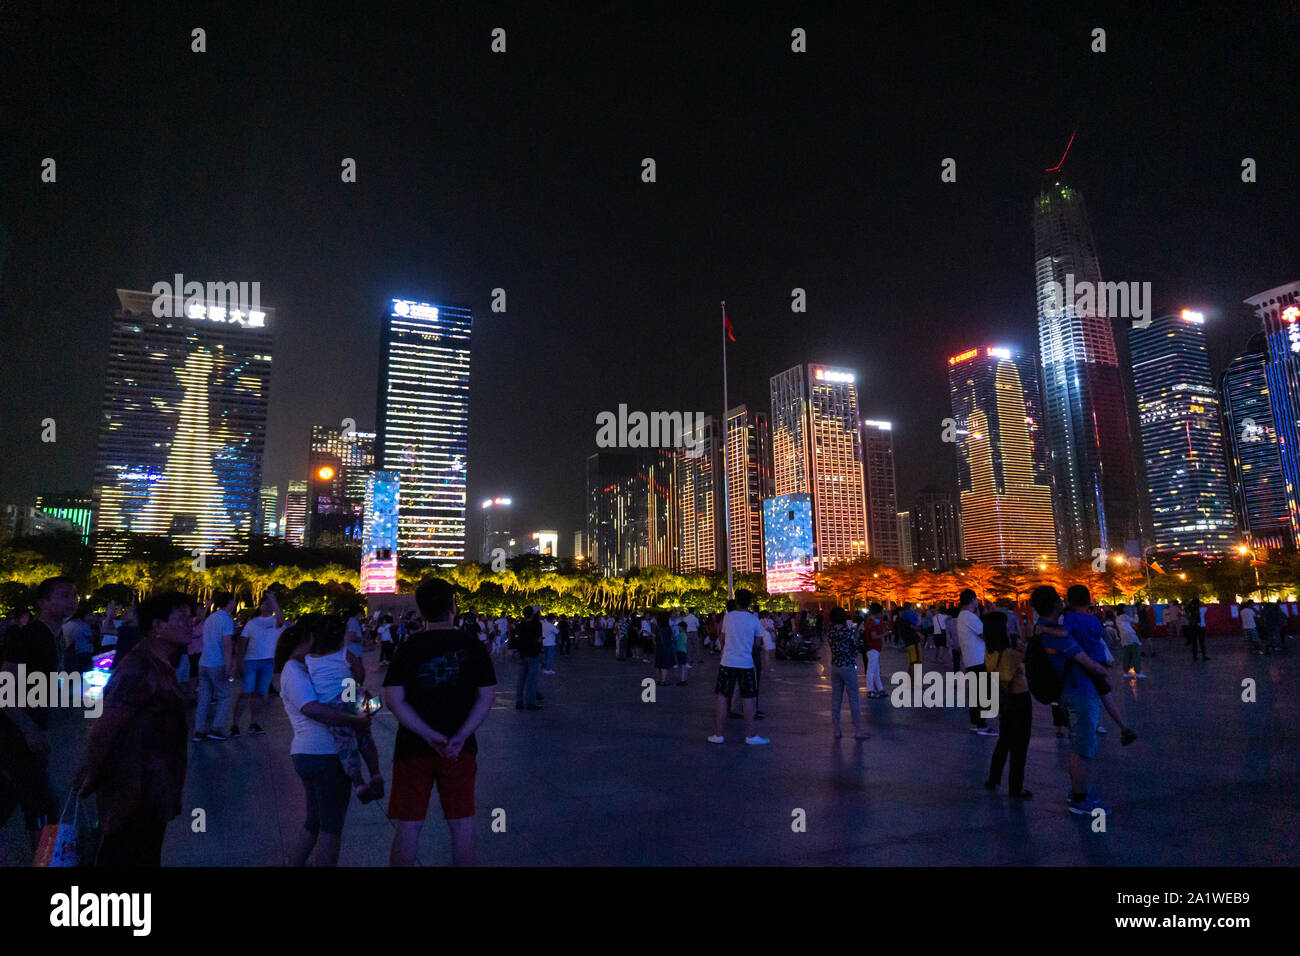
(439, 686)
(24, 746)
(528, 642)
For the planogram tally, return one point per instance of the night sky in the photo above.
(523, 171)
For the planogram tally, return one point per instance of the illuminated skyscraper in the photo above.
(77, 508)
(699, 485)
(878, 481)
(339, 461)
(817, 450)
(293, 526)
(1006, 496)
(1182, 439)
(903, 526)
(1258, 488)
(936, 531)
(423, 420)
(1084, 406)
(612, 511)
(183, 425)
(496, 513)
(268, 523)
(749, 481)
(379, 533)
(1279, 310)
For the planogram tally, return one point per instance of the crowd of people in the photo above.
(438, 667)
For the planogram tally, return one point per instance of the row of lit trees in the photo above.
(859, 582)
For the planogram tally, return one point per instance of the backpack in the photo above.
(1044, 685)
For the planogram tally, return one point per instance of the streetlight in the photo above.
(1245, 550)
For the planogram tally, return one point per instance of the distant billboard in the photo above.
(788, 543)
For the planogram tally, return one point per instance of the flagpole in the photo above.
(726, 499)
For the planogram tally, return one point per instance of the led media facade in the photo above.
(379, 537)
(423, 420)
(788, 544)
(183, 426)
(1279, 310)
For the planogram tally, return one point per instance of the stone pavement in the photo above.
(600, 778)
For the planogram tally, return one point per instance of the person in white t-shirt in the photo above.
(550, 638)
(694, 650)
(740, 629)
(970, 638)
(1129, 642)
(313, 751)
(262, 633)
(216, 669)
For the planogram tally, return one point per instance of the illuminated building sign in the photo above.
(958, 359)
(1290, 315)
(826, 375)
(414, 310)
(1190, 316)
(1000, 353)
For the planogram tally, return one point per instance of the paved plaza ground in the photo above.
(600, 778)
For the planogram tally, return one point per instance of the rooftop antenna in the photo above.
(1052, 169)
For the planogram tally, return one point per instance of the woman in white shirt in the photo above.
(312, 750)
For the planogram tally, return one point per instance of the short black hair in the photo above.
(1044, 599)
(435, 598)
(1078, 596)
(46, 587)
(838, 616)
(160, 608)
(744, 597)
(965, 597)
(876, 607)
(221, 598)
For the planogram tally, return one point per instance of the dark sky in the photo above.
(522, 171)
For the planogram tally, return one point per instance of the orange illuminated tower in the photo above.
(1006, 493)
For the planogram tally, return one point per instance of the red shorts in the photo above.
(413, 781)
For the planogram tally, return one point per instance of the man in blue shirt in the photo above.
(1079, 698)
(1089, 634)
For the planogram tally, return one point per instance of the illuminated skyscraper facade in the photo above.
(749, 481)
(1002, 469)
(817, 450)
(339, 462)
(293, 526)
(699, 487)
(1255, 465)
(614, 512)
(936, 531)
(903, 523)
(183, 425)
(1279, 311)
(268, 519)
(423, 420)
(1182, 438)
(880, 487)
(379, 536)
(1084, 406)
(77, 508)
(496, 514)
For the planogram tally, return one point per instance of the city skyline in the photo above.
(786, 222)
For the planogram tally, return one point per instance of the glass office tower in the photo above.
(1182, 439)
(1084, 406)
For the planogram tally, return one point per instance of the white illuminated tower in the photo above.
(817, 450)
(423, 418)
(183, 424)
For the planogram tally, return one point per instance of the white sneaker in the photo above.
(1101, 729)
(757, 740)
(715, 739)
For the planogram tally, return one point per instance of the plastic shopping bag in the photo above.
(60, 843)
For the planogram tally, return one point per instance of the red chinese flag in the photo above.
(731, 333)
